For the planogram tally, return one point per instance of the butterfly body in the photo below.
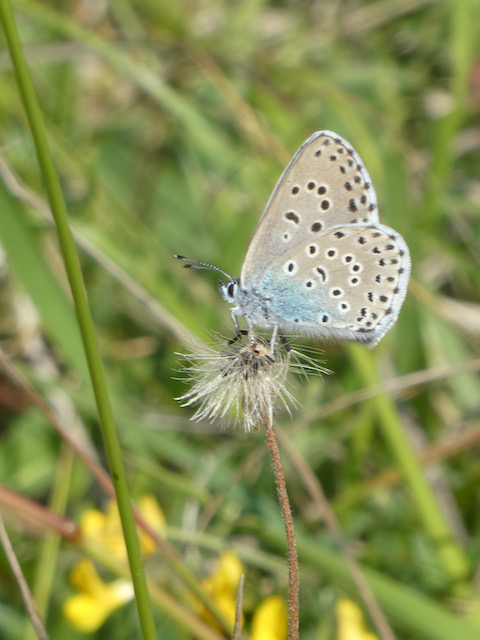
(319, 261)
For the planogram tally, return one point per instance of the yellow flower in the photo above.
(105, 528)
(270, 620)
(222, 585)
(350, 622)
(153, 516)
(88, 610)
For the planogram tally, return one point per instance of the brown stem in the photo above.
(30, 605)
(293, 601)
(315, 490)
(237, 630)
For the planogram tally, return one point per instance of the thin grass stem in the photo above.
(72, 265)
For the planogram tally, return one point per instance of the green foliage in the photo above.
(169, 124)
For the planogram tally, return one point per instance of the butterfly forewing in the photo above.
(325, 185)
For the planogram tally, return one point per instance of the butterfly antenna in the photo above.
(198, 264)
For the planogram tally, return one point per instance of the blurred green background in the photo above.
(170, 124)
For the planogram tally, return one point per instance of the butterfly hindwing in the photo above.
(349, 282)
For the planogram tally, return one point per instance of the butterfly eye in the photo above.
(229, 290)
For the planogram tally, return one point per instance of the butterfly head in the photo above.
(229, 290)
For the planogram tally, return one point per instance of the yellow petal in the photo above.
(105, 529)
(88, 610)
(85, 577)
(225, 579)
(83, 613)
(150, 510)
(227, 605)
(270, 620)
(350, 622)
(222, 585)
(92, 522)
(112, 537)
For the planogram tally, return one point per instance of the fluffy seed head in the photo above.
(244, 383)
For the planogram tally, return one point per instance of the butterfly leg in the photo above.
(238, 332)
(287, 346)
(273, 339)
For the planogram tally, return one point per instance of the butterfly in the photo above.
(319, 261)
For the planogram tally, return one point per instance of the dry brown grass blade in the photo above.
(30, 605)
